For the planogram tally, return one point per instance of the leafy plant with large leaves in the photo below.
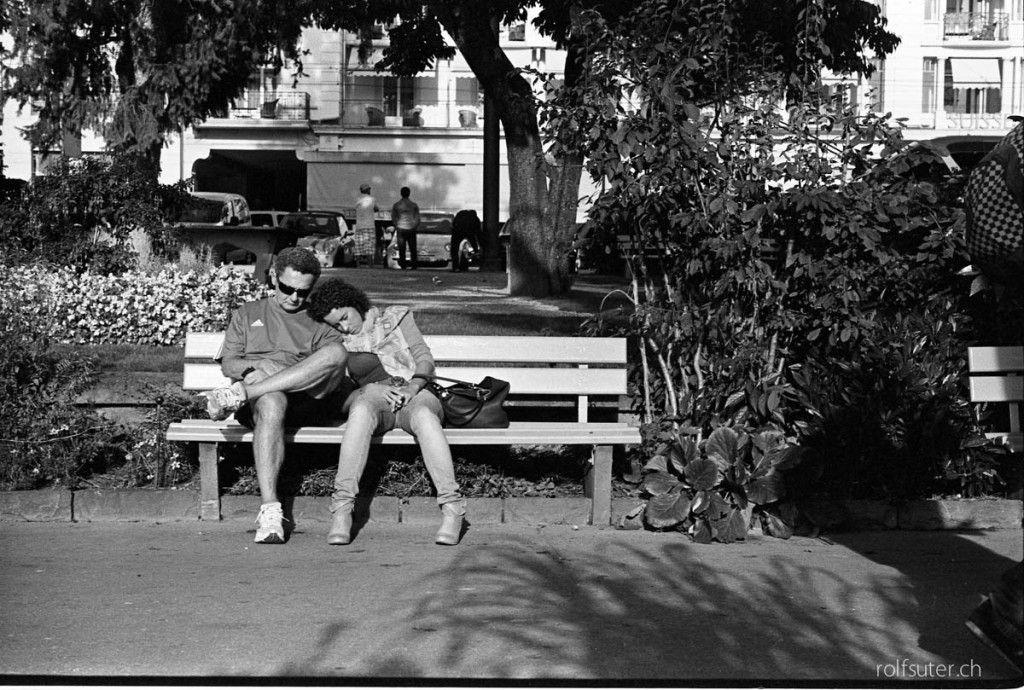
(714, 490)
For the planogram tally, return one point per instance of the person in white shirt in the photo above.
(367, 240)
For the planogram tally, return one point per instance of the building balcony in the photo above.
(418, 113)
(976, 26)
(270, 105)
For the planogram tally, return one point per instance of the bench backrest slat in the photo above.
(995, 359)
(480, 348)
(1001, 381)
(997, 388)
(532, 381)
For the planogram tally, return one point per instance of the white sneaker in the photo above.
(269, 524)
(222, 402)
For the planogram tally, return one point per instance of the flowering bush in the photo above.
(132, 307)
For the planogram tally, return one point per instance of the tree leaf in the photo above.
(667, 510)
(701, 532)
(657, 464)
(720, 462)
(785, 458)
(633, 519)
(660, 483)
(719, 507)
(722, 443)
(777, 527)
(702, 474)
(676, 457)
(766, 489)
(731, 527)
(701, 502)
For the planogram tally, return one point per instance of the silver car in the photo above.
(324, 233)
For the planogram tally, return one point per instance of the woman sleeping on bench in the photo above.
(389, 361)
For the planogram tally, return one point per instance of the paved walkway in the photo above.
(510, 603)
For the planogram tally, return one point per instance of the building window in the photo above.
(876, 87)
(931, 10)
(517, 31)
(928, 84)
(950, 95)
(973, 85)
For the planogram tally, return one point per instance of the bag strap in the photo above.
(430, 377)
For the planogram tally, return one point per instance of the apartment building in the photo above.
(956, 78)
(311, 143)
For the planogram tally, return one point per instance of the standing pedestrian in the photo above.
(405, 215)
(367, 240)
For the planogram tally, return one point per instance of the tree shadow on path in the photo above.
(665, 609)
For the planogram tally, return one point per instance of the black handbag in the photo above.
(471, 405)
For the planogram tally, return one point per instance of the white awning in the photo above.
(975, 73)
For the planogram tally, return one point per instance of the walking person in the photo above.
(405, 216)
(287, 369)
(367, 239)
(395, 396)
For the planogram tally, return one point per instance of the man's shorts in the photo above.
(304, 410)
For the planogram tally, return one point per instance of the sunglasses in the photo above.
(303, 293)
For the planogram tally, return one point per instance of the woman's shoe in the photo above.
(341, 529)
(451, 527)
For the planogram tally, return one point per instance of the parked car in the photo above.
(215, 208)
(433, 242)
(324, 233)
(267, 219)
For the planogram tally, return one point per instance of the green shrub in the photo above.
(46, 439)
(149, 458)
(82, 212)
(800, 272)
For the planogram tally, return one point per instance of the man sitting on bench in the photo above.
(287, 368)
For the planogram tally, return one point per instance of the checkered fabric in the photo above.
(995, 200)
(364, 239)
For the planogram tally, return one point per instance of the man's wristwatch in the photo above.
(247, 372)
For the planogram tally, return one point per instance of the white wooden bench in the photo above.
(588, 374)
(997, 376)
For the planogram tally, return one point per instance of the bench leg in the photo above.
(597, 485)
(209, 482)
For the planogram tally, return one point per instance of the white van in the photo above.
(216, 208)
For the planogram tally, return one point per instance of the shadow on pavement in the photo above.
(946, 581)
(629, 612)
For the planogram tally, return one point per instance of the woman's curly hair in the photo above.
(337, 294)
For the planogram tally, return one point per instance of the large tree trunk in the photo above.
(537, 260)
(541, 217)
